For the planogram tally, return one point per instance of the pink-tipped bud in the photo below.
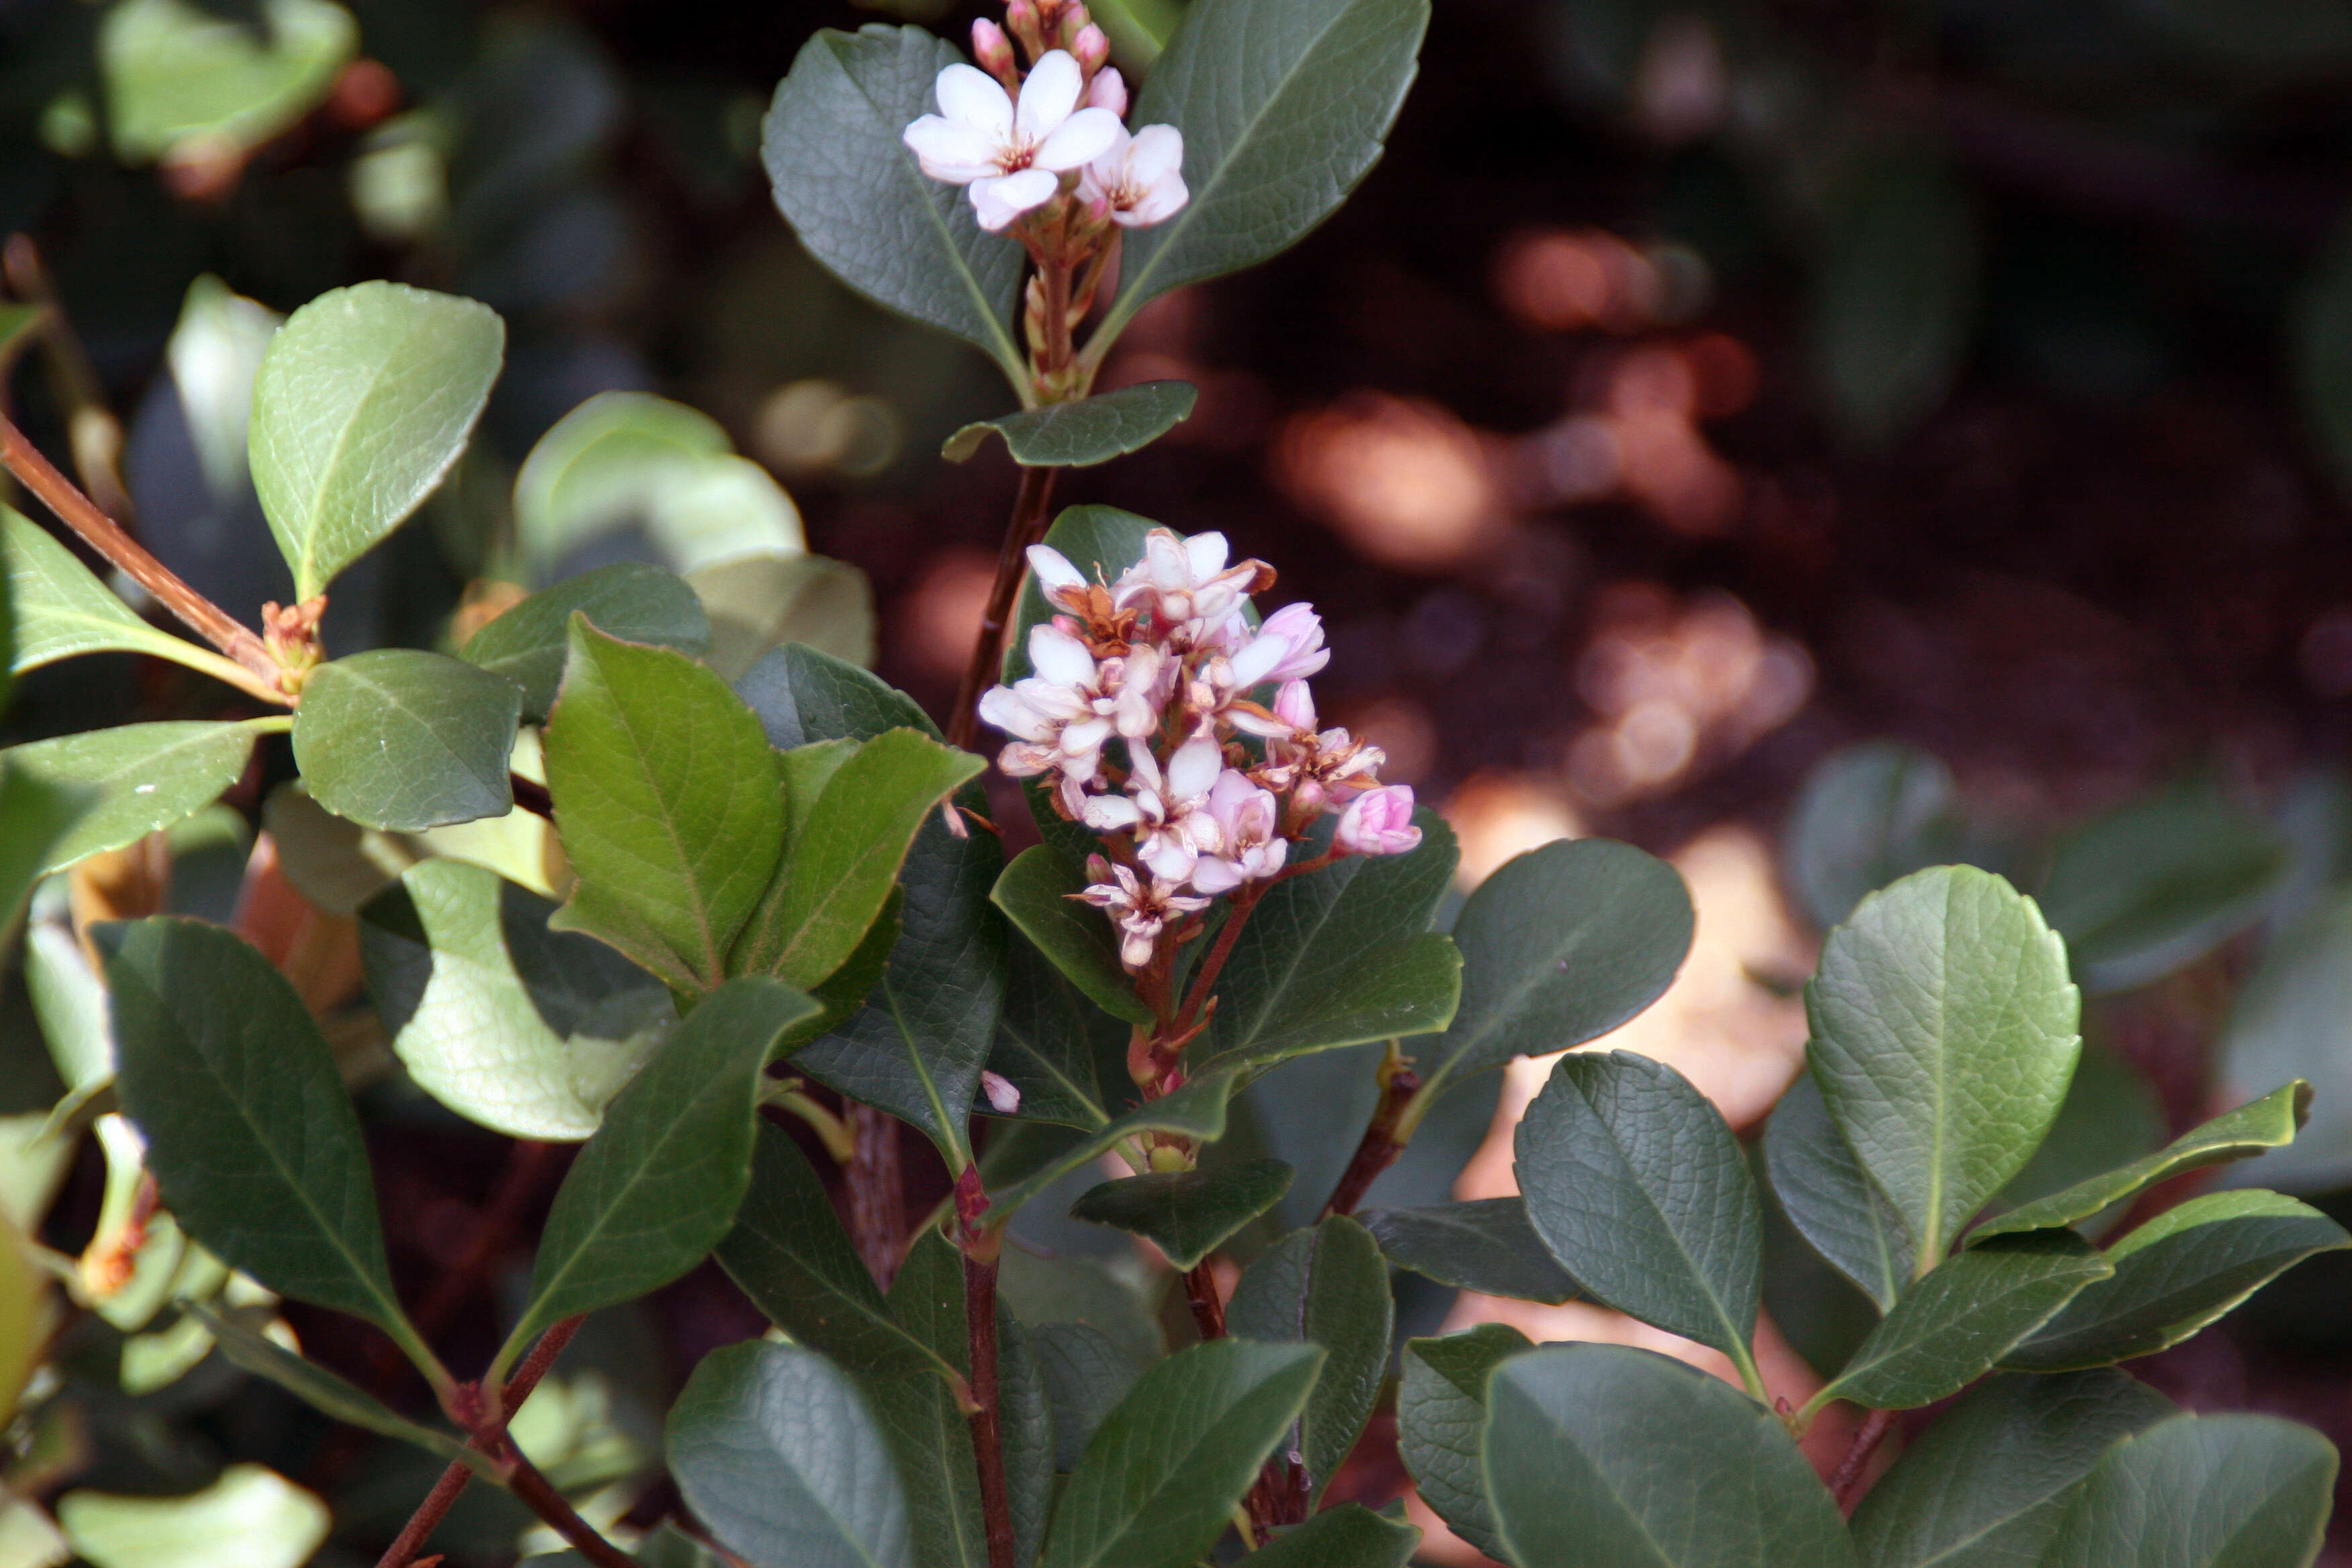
(1092, 47)
(1004, 1095)
(1109, 91)
(1378, 822)
(1294, 705)
(1020, 21)
(992, 48)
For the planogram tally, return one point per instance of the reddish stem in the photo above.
(1208, 1307)
(1381, 1145)
(987, 1437)
(538, 1494)
(1205, 978)
(877, 1191)
(1027, 527)
(1848, 1475)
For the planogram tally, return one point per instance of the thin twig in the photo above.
(538, 1494)
(1381, 1145)
(94, 433)
(1208, 1310)
(987, 1435)
(1204, 979)
(78, 512)
(1027, 527)
(1848, 1474)
(877, 1191)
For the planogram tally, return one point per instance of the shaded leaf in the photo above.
(2202, 1492)
(1485, 1245)
(130, 780)
(1327, 1285)
(760, 603)
(402, 741)
(1348, 1536)
(1442, 1423)
(1867, 815)
(1894, 298)
(1086, 1374)
(35, 816)
(1081, 434)
(1829, 1198)
(1037, 893)
(630, 601)
(1053, 1045)
(1197, 1111)
(1187, 1214)
(2292, 1019)
(365, 399)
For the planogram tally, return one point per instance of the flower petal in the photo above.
(1192, 771)
(1047, 96)
(1159, 153)
(972, 97)
(1216, 876)
(1000, 200)
(1081, 139)
(950, 150)
(1054, 569)
(1207, 552)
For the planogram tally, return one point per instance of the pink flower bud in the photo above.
(1379, 822)
(1092, 47)
(1003, 1096)
(1109, 92)
(1294, 705)
(992, 48)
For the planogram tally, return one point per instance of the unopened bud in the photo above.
(1109, 91)
(1092, 47)
(992, 48)
(1020, 21)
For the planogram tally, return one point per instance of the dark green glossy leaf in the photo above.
(1560, 946)
(366, 397)
(1893, 299)
(1066, 1055)
(1197, 1111)
(1601, 1456)
(132, 780)
(1959, 1321)
(926, 1427)
(525, 1030)
(658, 1185)
(2109, 1118)
(2178, 1273)
(630, 601)
(668, 798)
(2202, 1492)
(1867, 815)
(322, 1389)
(1037, 895)
(1639, 1189)
(1085, 1372)
(850, 188)
(1341, 956)
(2267, 1123)
(804, 695)
(1284, 109)
(1047, 1291)
(1157, 1485)
(402, 741)
(1187, 1214)
(1081, 434)
(250, 1134)
(1827, 1195)
(1348, 1536)
(778, 1453)
(35, 816)
(1442, 1423)
(2158, 881)
(1944, 1036)
(1485, 1245)
(1986, 1485)
(1327, 1286)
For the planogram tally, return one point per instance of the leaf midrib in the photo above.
(1174, 1471)
(314, 527)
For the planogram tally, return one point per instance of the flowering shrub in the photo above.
(703, 899)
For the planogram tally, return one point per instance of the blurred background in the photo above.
(1807, 438)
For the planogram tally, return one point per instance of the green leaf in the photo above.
(667, 799)
(759, 604)
(1485, 1245)
(1957, 1324)
(804, 694)
(1284, 109)
(1197, 1111)
(1348, 1536)
(1442, 1423)
(2202, 1492)
(1639, 1189)
(1560, 946)
(2159, 881)
(630, 601)
(2294, 1020)
(1086, 1374)
(852, 190)
(1158, 1484)
(364, 401)
(213, 353)
(34, 814)
(1187, 1215)
(2270, 1123)
(62, 610)
(249, 1515)
(2110, 1116)
(921, 1420)
(335, 864)
(1341, 956)
(1056, 1046)
(177, 73)
(658, 1184)
(1867, 815)
(402, 741)
(528, 1031)
(132, 780)
(1944, 1036)
(1829, 1198)
(1037, 895)
(1081, 434)
(322, 1389)
(1986, 1485)
(845, 856)
(779, 1454)
(2176, 1274)
(1893, 298)
(250, 1134)
(1327, 1285)
(1601, 1456)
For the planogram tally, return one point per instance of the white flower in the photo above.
(1062, 584)
(1168, 814)
(1185, 585)
(1140, 911)
(1061, 717)
(1109, 92)
(1327, 768)
(1140, 177)
(1250, 846)
(1288, 648)
(1012, 157)
(1379, 822)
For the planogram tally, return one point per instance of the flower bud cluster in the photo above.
(1140, 715)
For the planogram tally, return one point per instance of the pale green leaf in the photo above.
(132, 780)
(249, 1515)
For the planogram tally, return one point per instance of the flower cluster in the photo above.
(1142, 711)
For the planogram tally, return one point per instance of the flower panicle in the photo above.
(1139, 715)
